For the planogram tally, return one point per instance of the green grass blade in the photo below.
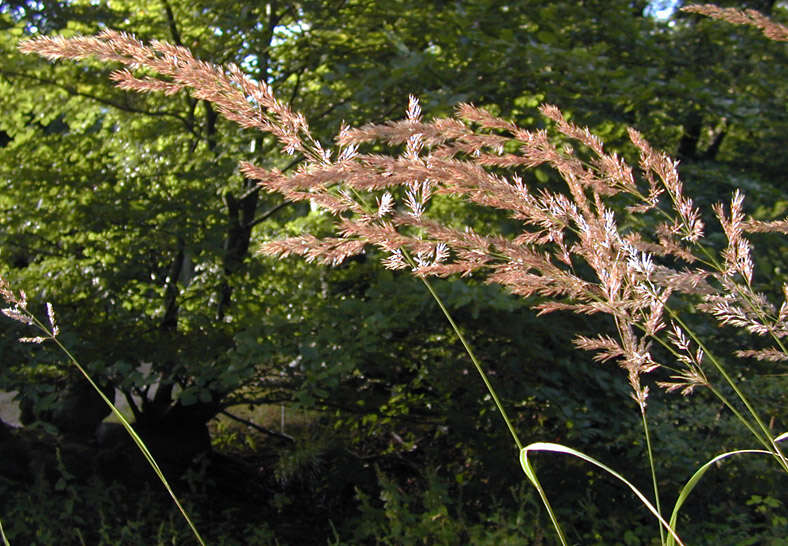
(137, 440)
(2, 535)
(51, 334)
(531, 474)
(693, 481)
(558, 448)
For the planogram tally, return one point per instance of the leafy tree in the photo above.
(140, 232)
(138, 204)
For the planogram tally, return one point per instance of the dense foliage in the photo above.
(128, 213)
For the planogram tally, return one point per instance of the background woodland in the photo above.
(300, 404)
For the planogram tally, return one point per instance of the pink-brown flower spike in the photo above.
(572, 252)
(751, 17)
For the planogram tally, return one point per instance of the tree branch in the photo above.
(123, 107)
(176, 36)
(132, 404)
(258, 427)
(267, 214)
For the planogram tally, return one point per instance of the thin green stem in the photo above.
(546, 502)
(476, 363)
(465, 344)
(137, 440)
(653, 472)
(771, 444)
(649, 450)
(735, 411)
(494, 396)
(2, 535)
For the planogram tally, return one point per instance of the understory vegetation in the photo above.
(568, 259)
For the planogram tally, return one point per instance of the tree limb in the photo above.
(176, 36)
(258, 427)
(267, 214)
(123, 107)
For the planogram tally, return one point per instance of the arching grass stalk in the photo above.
(494, 395)
(476, 363)
(21, 314)
(558, 448)
(653, 469)
(764, 436)
(693, 481)
(2, 535)
(137, 440)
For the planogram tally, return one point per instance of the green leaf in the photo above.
(558, 448)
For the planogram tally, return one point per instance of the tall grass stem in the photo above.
(476, 363)
(653, 472)
(137, 440)
(767, 439)
(497, 401)
(52, 335)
